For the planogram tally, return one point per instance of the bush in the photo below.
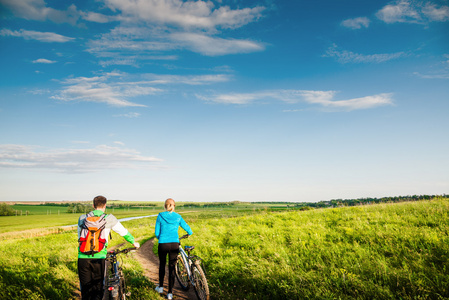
(6, 210)
(79, 208)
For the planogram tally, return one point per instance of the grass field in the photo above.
(50, 216)
(385, 251)
(388, 251)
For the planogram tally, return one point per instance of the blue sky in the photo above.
(223, 100)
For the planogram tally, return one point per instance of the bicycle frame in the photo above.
(187, 263)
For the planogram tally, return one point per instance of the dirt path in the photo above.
(150, 263)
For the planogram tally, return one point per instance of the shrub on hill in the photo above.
(6, 210)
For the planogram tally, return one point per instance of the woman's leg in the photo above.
(173, 257)
(163, 250)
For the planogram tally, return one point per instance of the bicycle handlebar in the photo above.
(184, 236)
(117, 251)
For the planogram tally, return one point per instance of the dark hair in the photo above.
(99, 201)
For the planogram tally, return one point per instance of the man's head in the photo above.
(100, 202)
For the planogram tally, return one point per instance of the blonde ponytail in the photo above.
(170, 205)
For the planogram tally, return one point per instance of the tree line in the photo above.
(367, 201)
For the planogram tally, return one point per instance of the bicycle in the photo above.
(116, 286)
(189, 271)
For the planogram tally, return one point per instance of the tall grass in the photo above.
(46, 267)
(386, 251)
(397, 251)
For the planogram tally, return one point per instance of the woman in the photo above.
(166, 230)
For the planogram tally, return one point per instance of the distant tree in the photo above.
(79, 208)
(6, 210)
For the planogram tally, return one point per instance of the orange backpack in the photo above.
(92, 237)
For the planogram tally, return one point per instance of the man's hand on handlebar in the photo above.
(137, 245)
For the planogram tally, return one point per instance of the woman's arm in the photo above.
(157, 228)
(186, 226)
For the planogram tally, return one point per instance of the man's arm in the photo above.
(121, 230)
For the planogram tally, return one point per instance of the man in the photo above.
(91, 267)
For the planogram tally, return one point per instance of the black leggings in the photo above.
(172, 249)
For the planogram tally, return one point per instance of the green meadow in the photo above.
(380, 251)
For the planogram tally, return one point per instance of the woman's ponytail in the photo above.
(170, 205)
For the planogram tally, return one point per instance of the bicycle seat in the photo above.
(189, 248)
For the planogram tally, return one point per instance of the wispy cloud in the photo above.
(95, 159)
(129, 115)
(410, 11)
(324, 99)
(103, 89)
(48, 37)
(344, 56)
(214, 46)
(43, 61)
(130, 44)
(118, 59)
(116, 88)
(97, 17)
(356, 23)
(185, 79)
(186, 14)
(39, 11)
(147, 27)
(432, 76)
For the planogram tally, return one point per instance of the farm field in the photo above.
(50, 216)
(382, 251)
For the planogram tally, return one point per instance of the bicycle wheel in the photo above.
(112, 286)
(122, 287)
(200, 282)
(181, 274)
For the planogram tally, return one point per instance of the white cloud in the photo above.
(432, 76)
(43, 61)
(131, 60)
(95, 159)
(435, 13)
(344, 56)
(356, 23)
(231, 98)
(213, 46)
(48, 37)
(322, 98)
(186, 14)
(129, 115)
(116, 88)
(39, 11)
(97, 17)
(103, 89)
(409, 11)
(185, 79)
(149, 27)
(128, 45)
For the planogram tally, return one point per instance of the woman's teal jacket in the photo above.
(167, 225)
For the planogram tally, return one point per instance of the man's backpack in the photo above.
(92, 237)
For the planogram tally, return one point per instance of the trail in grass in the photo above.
(150, 263)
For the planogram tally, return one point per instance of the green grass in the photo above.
(386, 251)
(397, 251)
(46, 267)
